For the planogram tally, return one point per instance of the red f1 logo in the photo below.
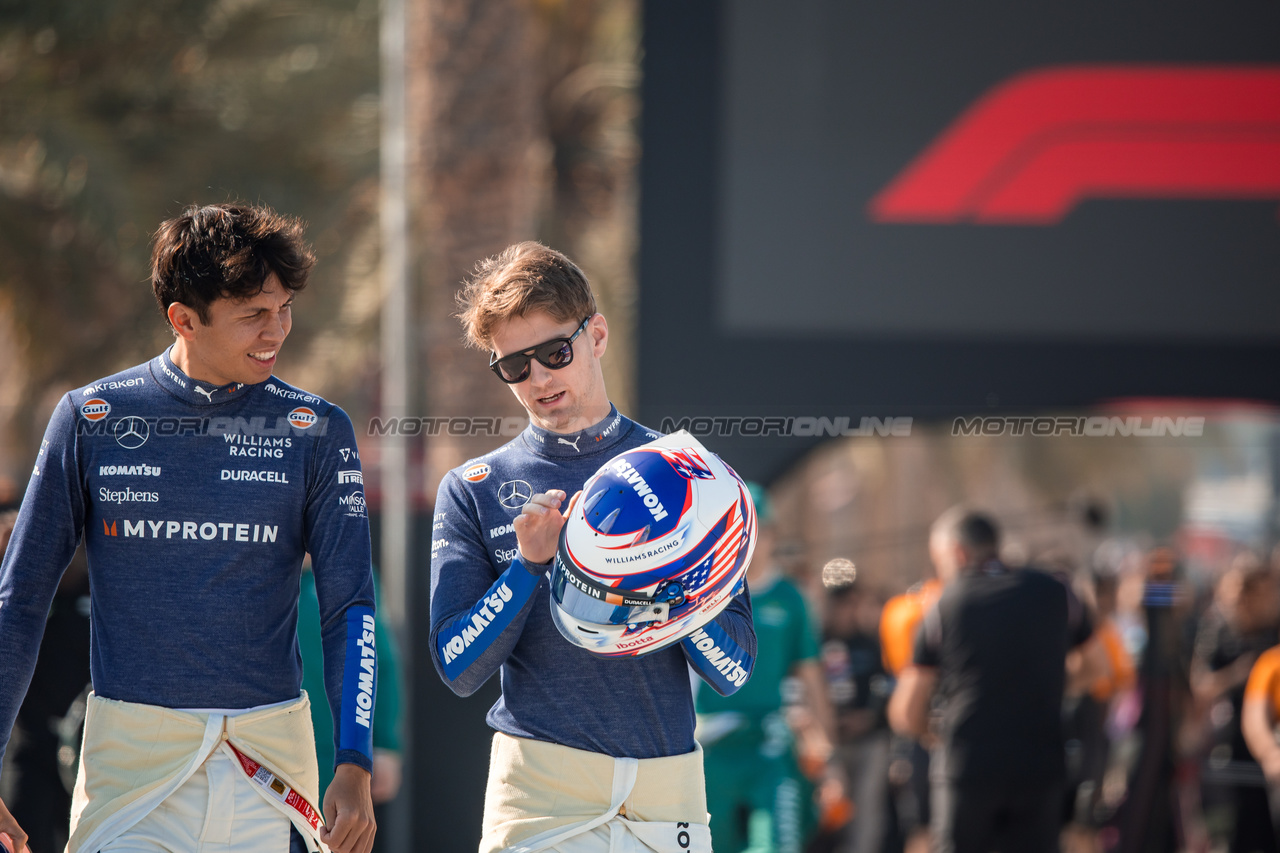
(1037, 145)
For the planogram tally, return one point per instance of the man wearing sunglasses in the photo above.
(586, 746)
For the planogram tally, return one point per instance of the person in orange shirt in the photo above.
(1087, 713)
(1258, 719)
(1120, 676)
(909, 760)
(899, 620)
(1234, 633)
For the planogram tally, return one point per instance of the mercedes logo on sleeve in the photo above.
(514, 494)
(131, 432)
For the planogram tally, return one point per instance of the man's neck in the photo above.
(578, 424)
(601, 433)
(987, 564)
(182, 359)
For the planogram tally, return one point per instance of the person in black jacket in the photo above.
(990, 658)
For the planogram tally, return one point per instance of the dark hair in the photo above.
(978, 536)
(972, 530)
(226, 251)
(523, 278)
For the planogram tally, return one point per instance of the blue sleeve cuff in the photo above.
(535, 569)
(350, 756)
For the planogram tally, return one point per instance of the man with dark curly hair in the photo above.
(198, 481)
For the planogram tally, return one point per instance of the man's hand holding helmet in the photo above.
(538, 527)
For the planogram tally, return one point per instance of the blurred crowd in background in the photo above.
(866, 789)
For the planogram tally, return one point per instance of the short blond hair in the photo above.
(522, 279)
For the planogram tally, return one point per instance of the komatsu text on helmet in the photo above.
(655, 546)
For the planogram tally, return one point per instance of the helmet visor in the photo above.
(598, 608)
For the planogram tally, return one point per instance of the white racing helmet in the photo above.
(654, 548)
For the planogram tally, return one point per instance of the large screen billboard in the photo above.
(921, 210)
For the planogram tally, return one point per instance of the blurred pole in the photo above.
(394, 834)
(395, 318)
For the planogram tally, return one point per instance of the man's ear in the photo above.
(598, 329)
(183, 319)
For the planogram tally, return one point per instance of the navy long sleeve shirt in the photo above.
(196, 505)
(488, 603)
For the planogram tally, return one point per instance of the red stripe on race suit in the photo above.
(278, 790)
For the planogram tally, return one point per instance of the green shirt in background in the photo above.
(748, 760)
(784, 637)
(386, 709)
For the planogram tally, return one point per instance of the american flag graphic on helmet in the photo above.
(688, 464)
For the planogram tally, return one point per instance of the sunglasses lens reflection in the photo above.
(514, 367)
(556, 354)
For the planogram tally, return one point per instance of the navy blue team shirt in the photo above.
(491, 612)
(197, 504)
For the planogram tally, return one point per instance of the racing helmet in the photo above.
(655, 546)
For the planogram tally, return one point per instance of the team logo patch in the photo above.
(95, 409)
(514, 494)
(476, 473)
(303, 418)
(131, 432)
(353, 505)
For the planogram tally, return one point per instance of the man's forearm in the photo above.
(469, 647)
(1255, 724)
(819, 699)
(909, 704)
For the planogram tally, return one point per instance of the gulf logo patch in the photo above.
(303, 418)
(476, 473)
(95, 409)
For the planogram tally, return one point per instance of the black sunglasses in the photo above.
(553, 355)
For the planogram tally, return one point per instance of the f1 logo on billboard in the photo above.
(1038, 144)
